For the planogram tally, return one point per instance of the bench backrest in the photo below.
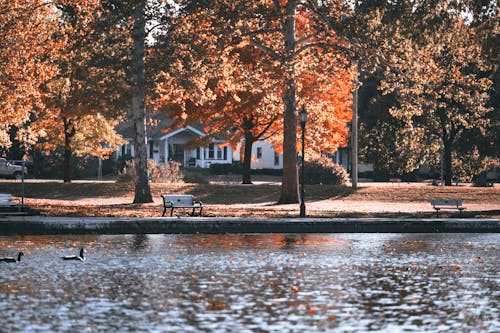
(179, 200)
(6, 199)
(446, 202)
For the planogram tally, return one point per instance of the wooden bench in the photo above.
(181, 201)
(439, 204)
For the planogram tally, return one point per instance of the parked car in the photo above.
(9, 170)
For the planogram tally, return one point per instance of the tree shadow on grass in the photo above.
(70, 191)
(260, 194)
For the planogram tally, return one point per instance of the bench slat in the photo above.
(446, 202)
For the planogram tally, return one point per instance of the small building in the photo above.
(263, 156)
(182, 145)
(177, 145)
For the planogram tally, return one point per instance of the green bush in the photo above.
(158, 173)
(225, 169)
(195, 176)
(164, 173)
(127, 173)
(236, 168)
(268, 172)
(322, 170)
(489, 175)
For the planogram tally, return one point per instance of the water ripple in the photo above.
(252, 283)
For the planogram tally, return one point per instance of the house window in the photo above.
(128, 149)
(123, 150)
(211, 151)
(216, 153)
(198, 153)
(276, 159)
(259, 152)
(151, 149)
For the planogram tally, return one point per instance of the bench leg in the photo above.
(194, 213)
(164, 211)
(171, 211)
(437, 212)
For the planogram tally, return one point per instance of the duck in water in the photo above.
(79, 257)
(12, 259)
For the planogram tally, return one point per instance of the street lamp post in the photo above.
(303, 118)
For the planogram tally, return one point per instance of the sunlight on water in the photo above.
(252, 283)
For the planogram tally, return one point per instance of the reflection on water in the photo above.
(252, 283)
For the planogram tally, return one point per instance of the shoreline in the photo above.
(46, 225)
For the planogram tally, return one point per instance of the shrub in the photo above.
(195, 176)
(127, 173)
(489, 175)
(225, 169)
(322, 170)
(158, 173)
(236, 168)
(165, 173)
(268, 172)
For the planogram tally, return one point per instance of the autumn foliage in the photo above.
(53, 90)
(236, 86)
(71, 70)
(26, 49)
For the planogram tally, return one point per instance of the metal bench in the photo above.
(439, 204)
(181, 201)
(6, 200)
(10, 206)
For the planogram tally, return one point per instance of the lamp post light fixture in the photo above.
(303, 119)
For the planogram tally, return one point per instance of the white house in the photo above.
(263, 156)
(175, 145)
(343, 157)
(178, 145)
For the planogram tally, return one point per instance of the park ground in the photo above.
(224, 196)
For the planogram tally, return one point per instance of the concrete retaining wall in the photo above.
(37, 225)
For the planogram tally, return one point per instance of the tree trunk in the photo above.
(447, 162)
(247, 161)
(142, 188)
(69, 132)
(67, 163)
(289, 187)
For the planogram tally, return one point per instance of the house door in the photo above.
(178, 153)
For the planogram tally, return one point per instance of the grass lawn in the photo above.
(231, 199)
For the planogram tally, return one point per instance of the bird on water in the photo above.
(78, 257)
(12, 259)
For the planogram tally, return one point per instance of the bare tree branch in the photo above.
(266, 49)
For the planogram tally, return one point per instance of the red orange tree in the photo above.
(250, 64)
(83, 98)
(26, 50)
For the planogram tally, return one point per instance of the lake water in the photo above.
(252, 283)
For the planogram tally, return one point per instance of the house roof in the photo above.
(180, 130)
(160, 127)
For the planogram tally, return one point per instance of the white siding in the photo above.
(268, 159)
